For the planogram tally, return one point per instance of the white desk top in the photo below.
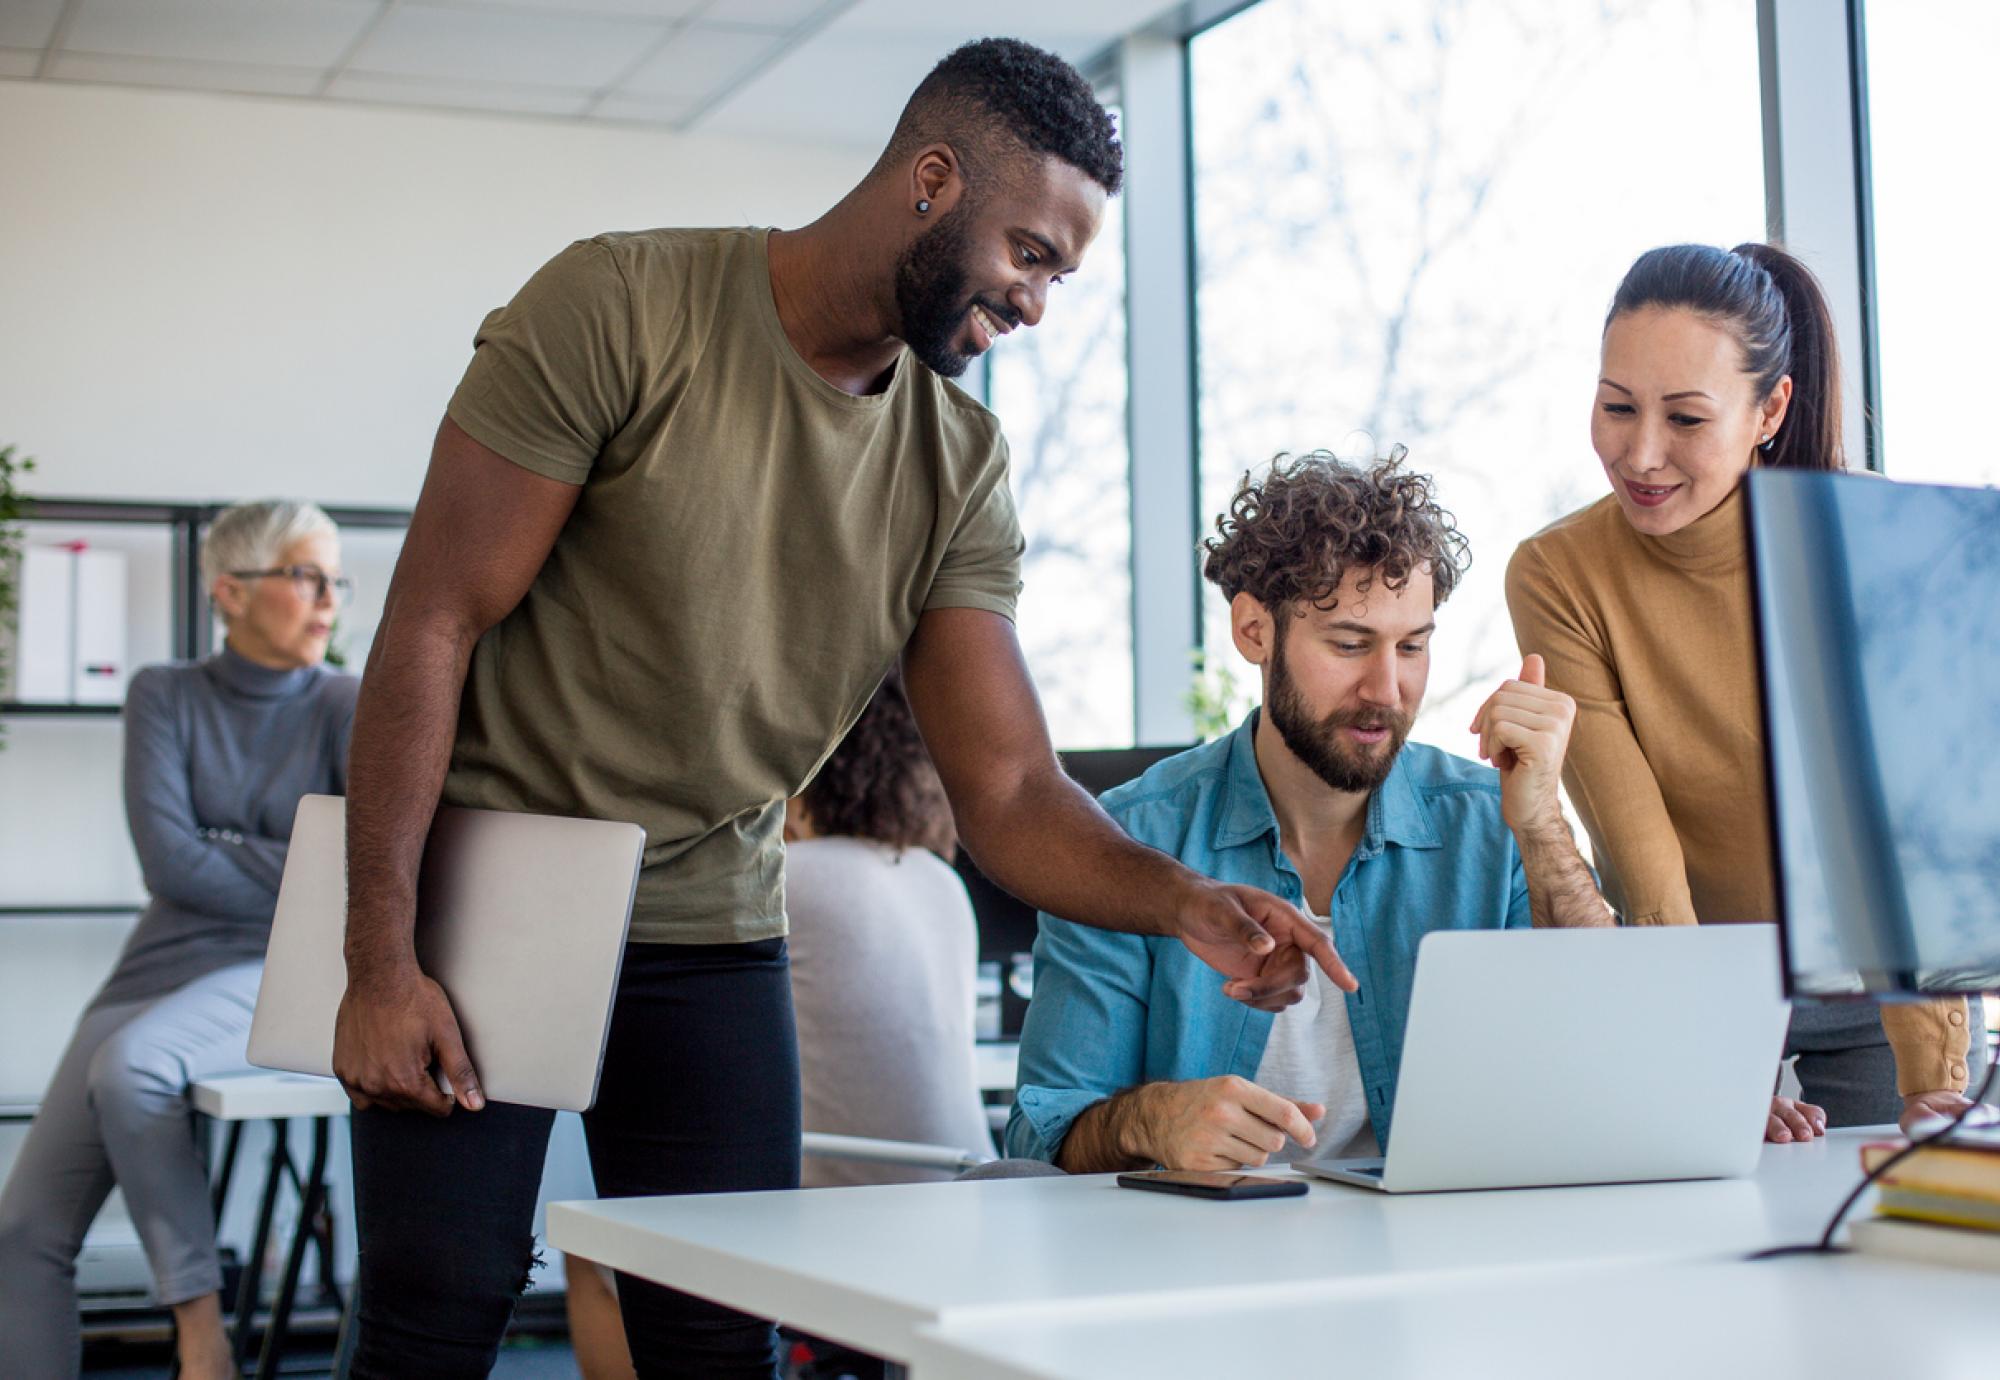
(1832, 1318)
(869, 1266)
(257, 1096)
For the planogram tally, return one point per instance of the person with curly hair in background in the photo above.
(1334, 573)
(885, 949)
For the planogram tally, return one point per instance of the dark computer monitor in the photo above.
(1878, 630)
(1006, 925)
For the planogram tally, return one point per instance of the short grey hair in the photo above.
(252, 536)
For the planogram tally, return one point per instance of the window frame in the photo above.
(1812, 60)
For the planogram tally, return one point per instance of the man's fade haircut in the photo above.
(995, 97)
(1290, 537)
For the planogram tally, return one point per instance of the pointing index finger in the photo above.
(1312, 940)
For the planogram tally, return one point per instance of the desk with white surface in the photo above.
(1799, 1318)
(871, 1267)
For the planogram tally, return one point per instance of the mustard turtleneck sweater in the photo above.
(1652, 637)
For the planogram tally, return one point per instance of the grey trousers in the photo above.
(117, 1110)
(1846, 1066)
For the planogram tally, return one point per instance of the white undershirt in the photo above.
(1310, 1058)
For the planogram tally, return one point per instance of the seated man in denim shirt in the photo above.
(1132, 1055)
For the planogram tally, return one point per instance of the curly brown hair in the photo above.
(880, 783)
(1295, 533)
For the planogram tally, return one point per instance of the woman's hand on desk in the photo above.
(1793, 1120)
(1925, 1106)
(390, 1032)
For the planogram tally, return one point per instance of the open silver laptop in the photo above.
(520, 918)
(1543, 1057)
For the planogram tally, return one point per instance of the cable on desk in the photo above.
(1825, 1246)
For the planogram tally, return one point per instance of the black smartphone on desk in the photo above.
(1199, 1183)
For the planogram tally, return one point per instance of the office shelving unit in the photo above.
(171, 587)
(192, 629)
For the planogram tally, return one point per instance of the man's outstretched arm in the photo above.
(1041, 836)
(483, 527)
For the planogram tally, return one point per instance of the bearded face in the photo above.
(1352, 748)
(931, 294)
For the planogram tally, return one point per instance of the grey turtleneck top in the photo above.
(217, 754)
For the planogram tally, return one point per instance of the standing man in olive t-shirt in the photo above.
(697, 492)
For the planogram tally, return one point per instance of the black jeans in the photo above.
(700, 1094)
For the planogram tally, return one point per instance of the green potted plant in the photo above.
(1217, 700)
(12, 506)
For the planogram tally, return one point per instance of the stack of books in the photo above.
(1942, 1204)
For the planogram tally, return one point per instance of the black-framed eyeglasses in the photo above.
(309, 579)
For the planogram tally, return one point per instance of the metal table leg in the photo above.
(228, 1170)
(253, 1268)
(350, 1323)
(311, 1191)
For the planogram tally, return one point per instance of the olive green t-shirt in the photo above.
(750, 552)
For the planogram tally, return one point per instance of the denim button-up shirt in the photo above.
(1112, 1011)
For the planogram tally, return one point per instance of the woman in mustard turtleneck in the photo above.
(1713, 362)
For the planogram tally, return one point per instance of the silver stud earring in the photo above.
(1765, 443)
(923, 207)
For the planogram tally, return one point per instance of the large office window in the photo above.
(1933, 113)
(1060, 392)
(1410, 217)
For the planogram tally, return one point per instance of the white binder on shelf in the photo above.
(69, 645)
(97, 657)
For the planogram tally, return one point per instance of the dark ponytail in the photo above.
(1774, 306)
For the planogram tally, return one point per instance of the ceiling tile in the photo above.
(1053, 24)
(877, 74)
(28, 23)
(603, 9)
(770, 14)
(460, 95)
(645, 110)
(188, 76)
(698, 61)
(507, 46)
(293, 33)
(19, 62)
(883, 48)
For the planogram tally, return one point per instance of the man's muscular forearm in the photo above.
(1074, 860)
(404, 724)
(1108, 1136)
(1561, 892)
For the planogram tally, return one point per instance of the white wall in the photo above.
(214, 297)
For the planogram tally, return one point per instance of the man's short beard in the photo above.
(1320, 743)
(931, 296)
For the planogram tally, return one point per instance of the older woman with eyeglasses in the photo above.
(217, 754)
